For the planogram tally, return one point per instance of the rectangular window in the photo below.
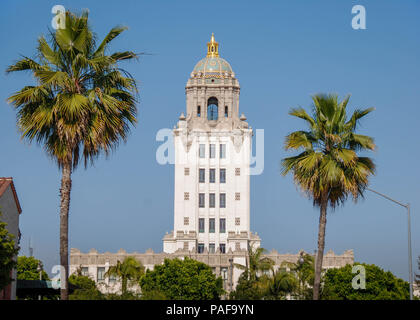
(237, 196)
(201, 225)
(201, 200)
(186, 196)
(222, 248)
(187, 171)
(200, 248)
(212, 200)
(212, 248)
(212, 151)
(237, 221)
(112, 278)
(212, 176)
(202, 151)
(222, 175)
(222, 225)
(186, 221)
(212, 225)
(222, 151)
(101, 274)
(222, 200)
(202, 175)
(85, 271)
(237, 171)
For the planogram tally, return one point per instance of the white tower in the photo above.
(212, 158)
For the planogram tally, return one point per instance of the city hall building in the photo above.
(212, 143)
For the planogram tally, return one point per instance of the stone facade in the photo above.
(96, 263)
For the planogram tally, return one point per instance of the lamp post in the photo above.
(410, 259)
(39, 269)
(231, 274)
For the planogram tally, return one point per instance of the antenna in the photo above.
(31, 249)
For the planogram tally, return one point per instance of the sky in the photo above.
(282, 53)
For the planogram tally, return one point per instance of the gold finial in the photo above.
(212, 47)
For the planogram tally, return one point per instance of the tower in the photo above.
(212, 157)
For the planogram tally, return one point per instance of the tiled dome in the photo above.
(212, 66)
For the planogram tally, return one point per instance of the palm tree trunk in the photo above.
(124, 285)
(64, 228)
(321, 245)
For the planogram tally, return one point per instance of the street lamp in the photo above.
(410, 259)
(39, 269)
(231, 274)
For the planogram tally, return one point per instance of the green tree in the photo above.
(280, 285)
(328, 169)
(380, 285)
(27, 269)
(85, 288)
(304, 272)
(81, 105)
(249, 288)
(128, 272)
(8, 251)
(257, 264)
(186, 279)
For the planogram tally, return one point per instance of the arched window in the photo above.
(212, 109)
(198, 111)
(226, 111)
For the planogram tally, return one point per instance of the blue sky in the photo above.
(282, 53)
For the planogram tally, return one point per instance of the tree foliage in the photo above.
(380, 285)
(27, 269)
(328, 168)
(185, 279)
(85, 288)
(81, 105)
(8, 251)
(128, 272)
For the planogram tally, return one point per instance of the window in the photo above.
(222, 225)
(201, 200)
(212, 109)
(226, 111)
(212, 248)
(212, 225)
(222, 176)
(237, 221)
(112, 278)
(201, 225)
(101, 274)
(200, 248)
(212, 151)
(222, 151)
(222, 199)
(212, 177)
(237, 171)
(186, 221)
(237, 246)
(202, 175)
(187, 171)
(85, 271)
(222, 248)
(186, 196)
(202, 151)
(237, 196)
(212, 200)
(198, 111)
(186, 246)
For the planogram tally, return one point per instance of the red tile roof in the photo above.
(4, 183)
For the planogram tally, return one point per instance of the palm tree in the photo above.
(329, 169)
(303, 270)
(130, 270)
(280, 285)
(81, 105)
(256, 263)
